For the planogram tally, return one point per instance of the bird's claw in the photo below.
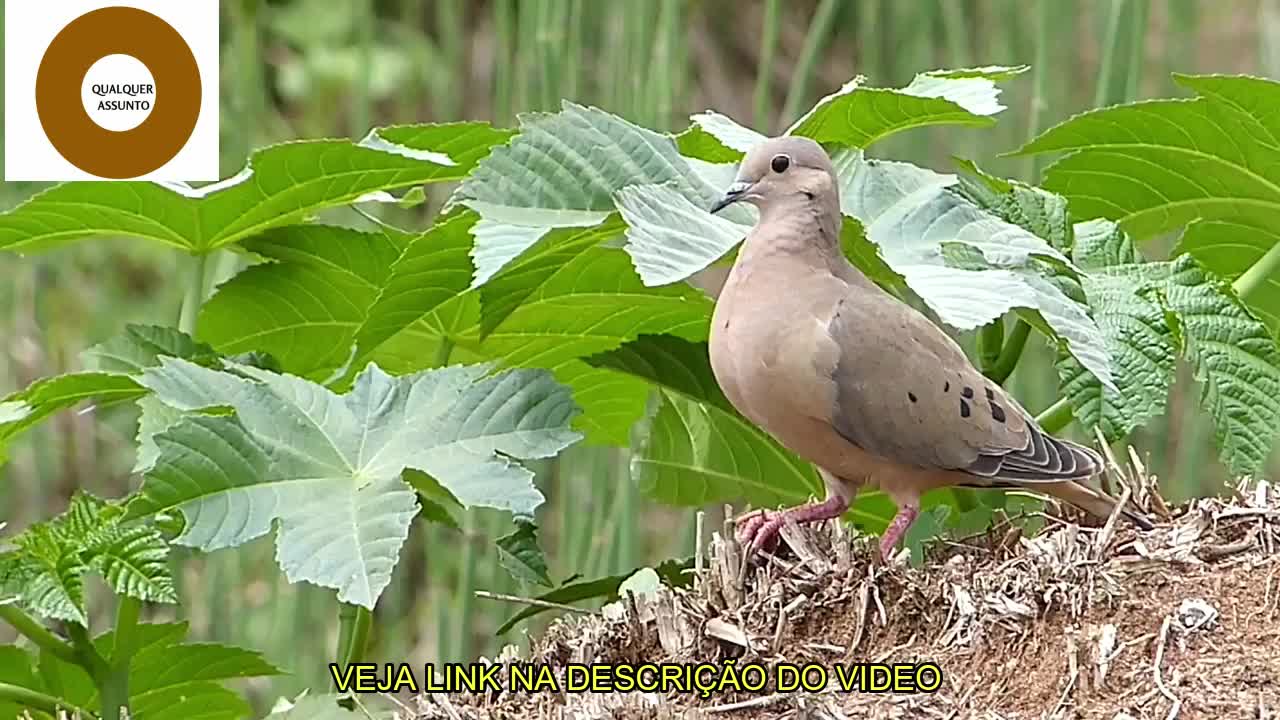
(755, 531)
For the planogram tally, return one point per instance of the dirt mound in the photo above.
(1074, 622)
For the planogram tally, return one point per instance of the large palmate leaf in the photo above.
(433, 269)
(914, 216)
(562, 170)
(328, 467)
(1211, 164)
(46, 569)
(670, 233)
(857, 116)
(282, 184)
(304, 306)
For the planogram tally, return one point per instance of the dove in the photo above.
(853, 380)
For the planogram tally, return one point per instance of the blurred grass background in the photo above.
(315, 68)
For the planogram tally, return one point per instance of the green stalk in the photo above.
(354, 623)
(819, 28)
(1055, 417)
(32, 630)
(462, 617)
(1039, 75)
(764, 71)
(990, 341)
(504, 62)
(1106, 91)
(1010, 353)
(127, 612)
(27, 698)
(361, 103)
(194, 296)
(1256, 276)
(1137, 48)
(956, 32)
(113, 686)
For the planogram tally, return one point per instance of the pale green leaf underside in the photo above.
(911, 213)
(329, 466)
(562, 170)
(283, 184)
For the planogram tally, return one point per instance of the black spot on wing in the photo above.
(967, 393)
(964, 409)
(997, 412)
(912, 396)
(991, 395)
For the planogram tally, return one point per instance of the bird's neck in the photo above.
(806, 231)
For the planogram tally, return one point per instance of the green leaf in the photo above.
(433, 269)
(520, 554)
(329, 466)
(857, 116)
(562, 170)
(512, 285)
(1236, 360)
(282, 185)
(594, 303)
(1210, 163)
(47, 570)
(672, 573)
(49, 395)
(141, 346)
(699, 449)
(52, 572)
(912, 214)
(134, 561)
(1139, 340)
(304, 306)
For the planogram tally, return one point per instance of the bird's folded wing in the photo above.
(905, 391)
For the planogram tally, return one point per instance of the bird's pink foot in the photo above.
(759, 530)
(897, 528)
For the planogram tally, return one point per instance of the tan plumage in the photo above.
(850, 378)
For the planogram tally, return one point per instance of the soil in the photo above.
(1075, 622)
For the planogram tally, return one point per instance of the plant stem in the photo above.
(354, 623)
(195, 295)
(1256, 276)
(444, 351)
(1105, 92)
(1011, 352)
(1055, 417)
(28, 698)
(126, 622)
(764, 71)
(362, 102)
(29, 628)
(1039, 73)
(1137, 48)
(814, 40)
(113, 684)
(990, 341)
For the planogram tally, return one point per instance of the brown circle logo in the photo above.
(91, 147)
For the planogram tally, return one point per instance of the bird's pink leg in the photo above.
(897, 528)
(760, 529)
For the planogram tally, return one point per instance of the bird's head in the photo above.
(782, 170)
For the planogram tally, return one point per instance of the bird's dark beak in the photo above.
(735, 193)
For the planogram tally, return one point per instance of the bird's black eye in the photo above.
(780, 163)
